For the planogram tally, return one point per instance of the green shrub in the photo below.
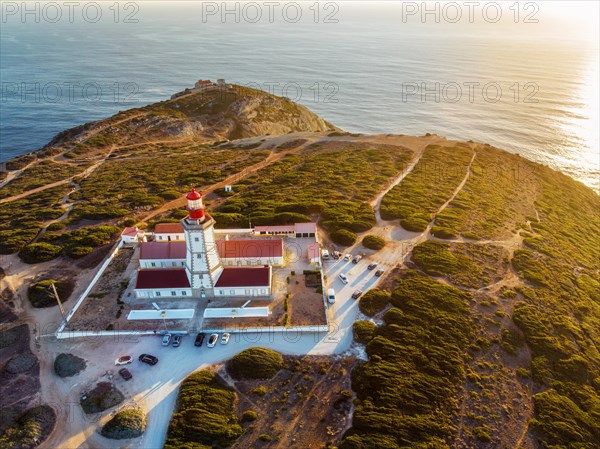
(465, 264)
(373, 301)
(363, 331)
(204, 414)
(482, 433)
(30, 429)
(170, 194)
(249, 416)
(511, 341)
(39, 252)
(562, 422)
(255, 363)
(179, 213)
(260, 390)
(442, 233)
(343, 237)
(68, 365)
(129, 423)
(129, 222)
(57, 226)
(373, 242)
(102, 397)
(414, 224)
(530, 267)
(41, 294)
(265, 437)
(19, 363)
(76, 252)
(406, 391)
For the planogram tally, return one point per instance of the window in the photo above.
(183, 264)
(173, 293)
(157, 293)
(183, 293)
(173, 264)
(221, 292)
(196, 239)
(232, 292)
(199, 255)
(263, 291)
(153, 264)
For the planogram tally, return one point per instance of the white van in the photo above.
(331, 296)
(325, 254)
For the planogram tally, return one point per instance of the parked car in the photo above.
(166, 339)
(124, 360)
(356, 259)
(212, 341)
(347, 257)
(372, 266)
(343, 278)
(149, 359)
(357, 294)
(336, 255)
(199, 339)
(379, 272)
(125, 374)
(176, 341)
(331, 296)
(225, 338)
(325, 254)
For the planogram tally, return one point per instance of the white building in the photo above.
(298, 230)
(162, 255)
(162, 283)
(203, 274)
(231, 252)
(203, 85)
(132, 235)
(246, 282)
(169, 232)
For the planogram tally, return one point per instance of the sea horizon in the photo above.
(533, 93)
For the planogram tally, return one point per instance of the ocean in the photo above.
(379, 67)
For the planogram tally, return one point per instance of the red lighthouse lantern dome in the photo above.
(195, 206)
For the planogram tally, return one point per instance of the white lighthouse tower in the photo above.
(202, 264)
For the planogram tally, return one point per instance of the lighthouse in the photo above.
(203, 265)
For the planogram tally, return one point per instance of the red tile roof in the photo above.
(234, 249)
(244, 277)
(162, 250)
(167, 278)
(130, 232)
(168, 228)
